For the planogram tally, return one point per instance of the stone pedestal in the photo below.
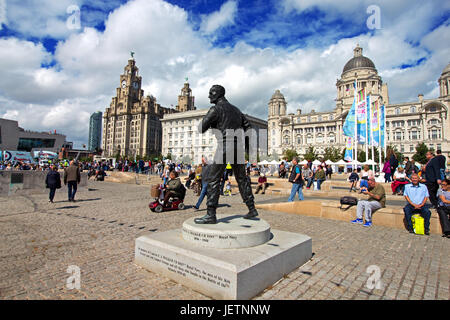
(233, 259)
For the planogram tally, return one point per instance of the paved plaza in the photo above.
(40, 240)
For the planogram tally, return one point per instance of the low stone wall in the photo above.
(328, 185)
(27, 181)
(391, 216)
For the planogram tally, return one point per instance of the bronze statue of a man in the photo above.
(226, 118)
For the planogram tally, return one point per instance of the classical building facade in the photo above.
(409, 123)
(182, 139)
(131, 124)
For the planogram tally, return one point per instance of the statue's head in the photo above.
(215, 93)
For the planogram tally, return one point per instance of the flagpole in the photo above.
(367, 131)
(384, 127)
(379, 134)
(356, 122)
(371, 129)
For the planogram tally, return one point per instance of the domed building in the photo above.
(407, 124)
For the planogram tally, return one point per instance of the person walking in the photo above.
(387, 171)
(296, 179)
(53, 182)
(72, 178)
(204, 179)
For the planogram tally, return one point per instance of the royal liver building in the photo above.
(407, 124)
(132, 122)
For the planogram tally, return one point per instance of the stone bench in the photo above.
(391, 216)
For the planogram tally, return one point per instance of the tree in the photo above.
(289, 154)
(310, 154)
(420, 155)
(332, 154)
(169, 156)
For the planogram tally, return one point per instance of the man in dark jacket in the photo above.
(432, 177)
(53, 182)
(440, 158)
(72, 178)
(226, 119)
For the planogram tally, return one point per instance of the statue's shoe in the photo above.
(251, 214)
(206, 220)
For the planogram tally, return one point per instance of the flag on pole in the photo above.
(349, 150)
(375, 124)
(349, 124)
(382, 126)
(361, 114)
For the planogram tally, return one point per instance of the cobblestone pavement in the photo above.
(40, 240)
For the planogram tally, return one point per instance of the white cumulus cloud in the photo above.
(219, 19)
(86, 64)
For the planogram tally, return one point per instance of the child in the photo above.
(228, 188)
(353, 178)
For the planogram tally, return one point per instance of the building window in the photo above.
(434, 134)
(27, 144)
(413, 122)
(397, 111)
(433, 122)
(299, 140)
(398, 135)
(319, 118)
(411, 148)
(413, 109)
(433, 109)
(319, 139)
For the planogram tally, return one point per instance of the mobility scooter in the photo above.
(157, 205)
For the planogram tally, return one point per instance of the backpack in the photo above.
(350, 201)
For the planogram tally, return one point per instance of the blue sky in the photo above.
(61, 75)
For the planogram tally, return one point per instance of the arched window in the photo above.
(397, 111)
(413, 109)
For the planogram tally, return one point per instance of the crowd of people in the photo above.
(417, 184)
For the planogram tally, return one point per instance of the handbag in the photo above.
(347, 200)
